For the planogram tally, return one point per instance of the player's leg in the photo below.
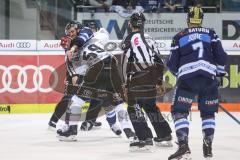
(182, 102)
(60, 109)
(72, 119)
(160, 125)
(91, 116)
(112, 119)
(124, 120)
(208, 105)
(142, 131)
(137, 117)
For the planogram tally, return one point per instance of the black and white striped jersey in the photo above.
(139, 53)
(89, 54)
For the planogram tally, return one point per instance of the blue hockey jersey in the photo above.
(84, 36)
(196, 51)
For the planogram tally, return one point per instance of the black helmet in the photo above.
(75, 24)
(195, 15)
(93, 25)
(137, 20)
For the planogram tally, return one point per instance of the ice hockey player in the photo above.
(142, 70)
(72, 29)
(92, 59)
(105, 82)
(197, 58)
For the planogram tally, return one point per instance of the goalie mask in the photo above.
(195, 16)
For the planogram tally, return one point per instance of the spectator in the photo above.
(162, 5)
(174, 5)
(170, 5)
(151, 5)
(126, 8)
(101, 4)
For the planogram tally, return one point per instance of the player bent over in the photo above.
(196, 58)
(92, 60)
(72, 30)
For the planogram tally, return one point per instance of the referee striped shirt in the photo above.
(138, 54)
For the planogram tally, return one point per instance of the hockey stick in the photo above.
(220, 84)
(229, 114)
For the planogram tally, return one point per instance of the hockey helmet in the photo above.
(75, 24)
(137, 20)
(195, 15)
(93, 25)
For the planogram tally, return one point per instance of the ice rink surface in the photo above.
(25, 137)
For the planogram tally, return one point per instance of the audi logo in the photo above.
(23, 45)
(22, 78)
(161, 45)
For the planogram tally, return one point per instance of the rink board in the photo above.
(48, 108)
(32, 77)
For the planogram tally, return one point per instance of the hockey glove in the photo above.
(65, 42)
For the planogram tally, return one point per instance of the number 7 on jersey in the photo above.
(199, 46)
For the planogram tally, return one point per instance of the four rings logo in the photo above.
(161, 45)
(23, 78)
(23, 45)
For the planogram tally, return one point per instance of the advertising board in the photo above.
(32, 81)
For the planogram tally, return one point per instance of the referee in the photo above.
(142, 69)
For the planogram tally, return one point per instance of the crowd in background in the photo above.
(149, 6)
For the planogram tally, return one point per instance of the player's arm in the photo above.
(84, 36)
(219, 54)
(173, 59)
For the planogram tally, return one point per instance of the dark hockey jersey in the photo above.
(82, 38)
(196, 51)
(84, 35)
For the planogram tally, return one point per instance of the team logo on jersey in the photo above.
(185, 100)
(211, 102)
(116, 96)
(136, 41)
(87, 93)
(102, 94)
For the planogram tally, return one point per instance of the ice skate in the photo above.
(68, 135)
(97, 124)
(86, 126)
(207, 149)
(141, 146)
(183, 152)
(129, 133)
(163, 142)
(51, 126)
(116, 129)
